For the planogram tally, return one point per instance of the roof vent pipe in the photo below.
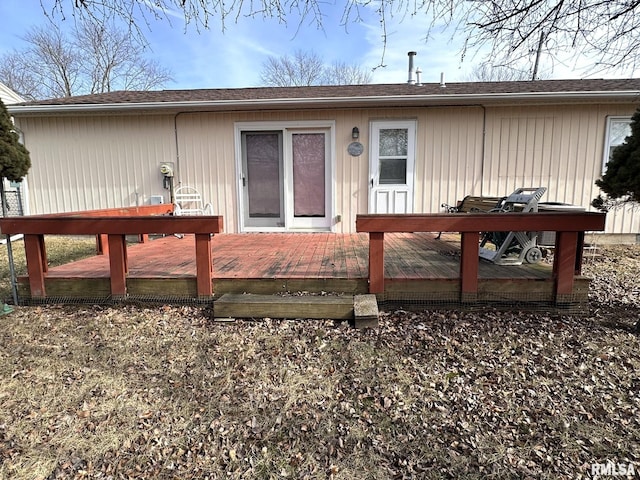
(418, 73)
(442, 84)
(411, 80)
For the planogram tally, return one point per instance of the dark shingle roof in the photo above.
(428, 93)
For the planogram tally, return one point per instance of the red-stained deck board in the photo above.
(357, 264)
(328, 268)
(396, 266)
(296, 256)
(301, 260)
(316, 256)
(296, 263)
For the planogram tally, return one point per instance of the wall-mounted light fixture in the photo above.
(355, 133)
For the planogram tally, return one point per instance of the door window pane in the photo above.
(393, 142)
(263, 152)
(308, 174)
(393, 171)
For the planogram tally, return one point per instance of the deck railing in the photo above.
(102, 245)
(569, 228)
(115, 224)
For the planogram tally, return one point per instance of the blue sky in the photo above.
(234, 57)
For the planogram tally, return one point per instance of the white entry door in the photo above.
(392, 164)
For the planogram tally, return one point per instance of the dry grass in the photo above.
(165, 392)
(60, 250)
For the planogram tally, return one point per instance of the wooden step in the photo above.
(363, 309)
(277, 306)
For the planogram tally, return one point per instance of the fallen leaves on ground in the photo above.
(132, 392)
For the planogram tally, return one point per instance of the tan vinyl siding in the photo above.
(84, 163)
(351, 173)
(87, 162)
(207, 161)
(559, 147)
(449, 157)
(519, 154)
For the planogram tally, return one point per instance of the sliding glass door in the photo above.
(285, 179)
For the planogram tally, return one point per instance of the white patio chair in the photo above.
(188, 201)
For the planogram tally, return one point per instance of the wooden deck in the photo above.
(418, 269)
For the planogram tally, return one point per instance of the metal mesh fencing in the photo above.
(121, 300)
(13, 204)
(570, 305)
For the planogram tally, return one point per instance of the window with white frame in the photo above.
(618, 128)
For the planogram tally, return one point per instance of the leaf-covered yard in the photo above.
(166, 392)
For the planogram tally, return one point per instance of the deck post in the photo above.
(118, 265)
(376, 262)
(36, 256)
(564, 265)
(579, 253)
(102, 244)
(469, 245)
(204, 265)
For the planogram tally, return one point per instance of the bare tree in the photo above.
(13, 74)
(48, 67)
(342, 73)
(513, 29)
(519, 31)
(114, 61)
(94, 58)
(485, 72)
(298, 70)
(303, 69)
